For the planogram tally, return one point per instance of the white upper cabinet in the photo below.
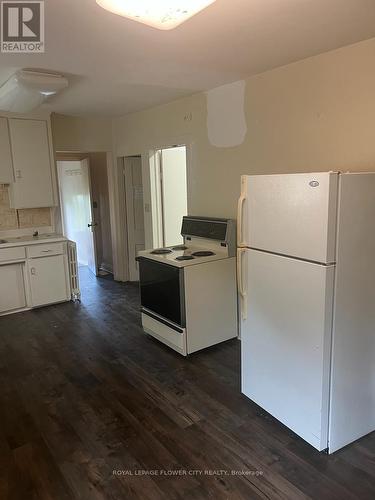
(6, 167)
(32, 164)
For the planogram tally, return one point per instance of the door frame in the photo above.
(158, 210)
(153, 236)
(119, 272)
(156, 188)
(129, 226)
(80, 158)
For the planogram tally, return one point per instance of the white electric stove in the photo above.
(188, 292)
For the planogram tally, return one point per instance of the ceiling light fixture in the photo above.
(27, 90)
(161, 14)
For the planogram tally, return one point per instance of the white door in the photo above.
(48, 280)
(174, 193)
(286, 339)
(134, 212)
(32, 164)
(290, 214)
(77, 211)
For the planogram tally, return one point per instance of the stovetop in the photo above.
(184, 255)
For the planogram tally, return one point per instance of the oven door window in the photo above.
(162, 290)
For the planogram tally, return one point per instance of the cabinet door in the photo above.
(12, 288)
(48, 280)
(6, 167)
(31, 163)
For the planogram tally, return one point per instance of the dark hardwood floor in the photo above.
(91, 408)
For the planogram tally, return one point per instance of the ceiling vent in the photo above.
(27, 90)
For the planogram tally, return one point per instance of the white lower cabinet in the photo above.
(33, 276)
(48, 280)
(12, 287)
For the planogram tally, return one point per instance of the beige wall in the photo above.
(314, 115)
(71, 133)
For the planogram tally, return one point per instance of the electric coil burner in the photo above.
(203, 253)
(185, 257)
(161, 251)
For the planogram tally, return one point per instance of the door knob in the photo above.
(93, 224)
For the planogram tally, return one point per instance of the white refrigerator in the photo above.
(306, 278)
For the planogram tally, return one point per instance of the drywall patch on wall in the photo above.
(226, 120)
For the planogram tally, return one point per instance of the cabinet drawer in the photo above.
(169, 336)
(8, 254)
(36, 251)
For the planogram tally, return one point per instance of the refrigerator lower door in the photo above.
(286, 341)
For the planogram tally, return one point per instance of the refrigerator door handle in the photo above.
(241, 290)
(241, 202)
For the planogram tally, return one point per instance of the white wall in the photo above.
(314, 115)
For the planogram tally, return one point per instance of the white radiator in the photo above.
(73, 270)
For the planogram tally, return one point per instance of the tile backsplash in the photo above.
(8, 216)
(20, 219)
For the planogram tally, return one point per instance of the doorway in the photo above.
(77, 210)
(134, 212)
(152, 200)
(85, 208)
(171, 193)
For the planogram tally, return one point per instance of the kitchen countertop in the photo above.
(31, 240)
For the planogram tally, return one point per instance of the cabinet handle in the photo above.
(46, 251)
(33, 271)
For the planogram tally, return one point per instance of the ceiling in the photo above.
(116, 65)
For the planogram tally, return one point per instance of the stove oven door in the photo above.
(162, 291)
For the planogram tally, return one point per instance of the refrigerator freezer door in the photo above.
(290, 214)
(286, 341)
